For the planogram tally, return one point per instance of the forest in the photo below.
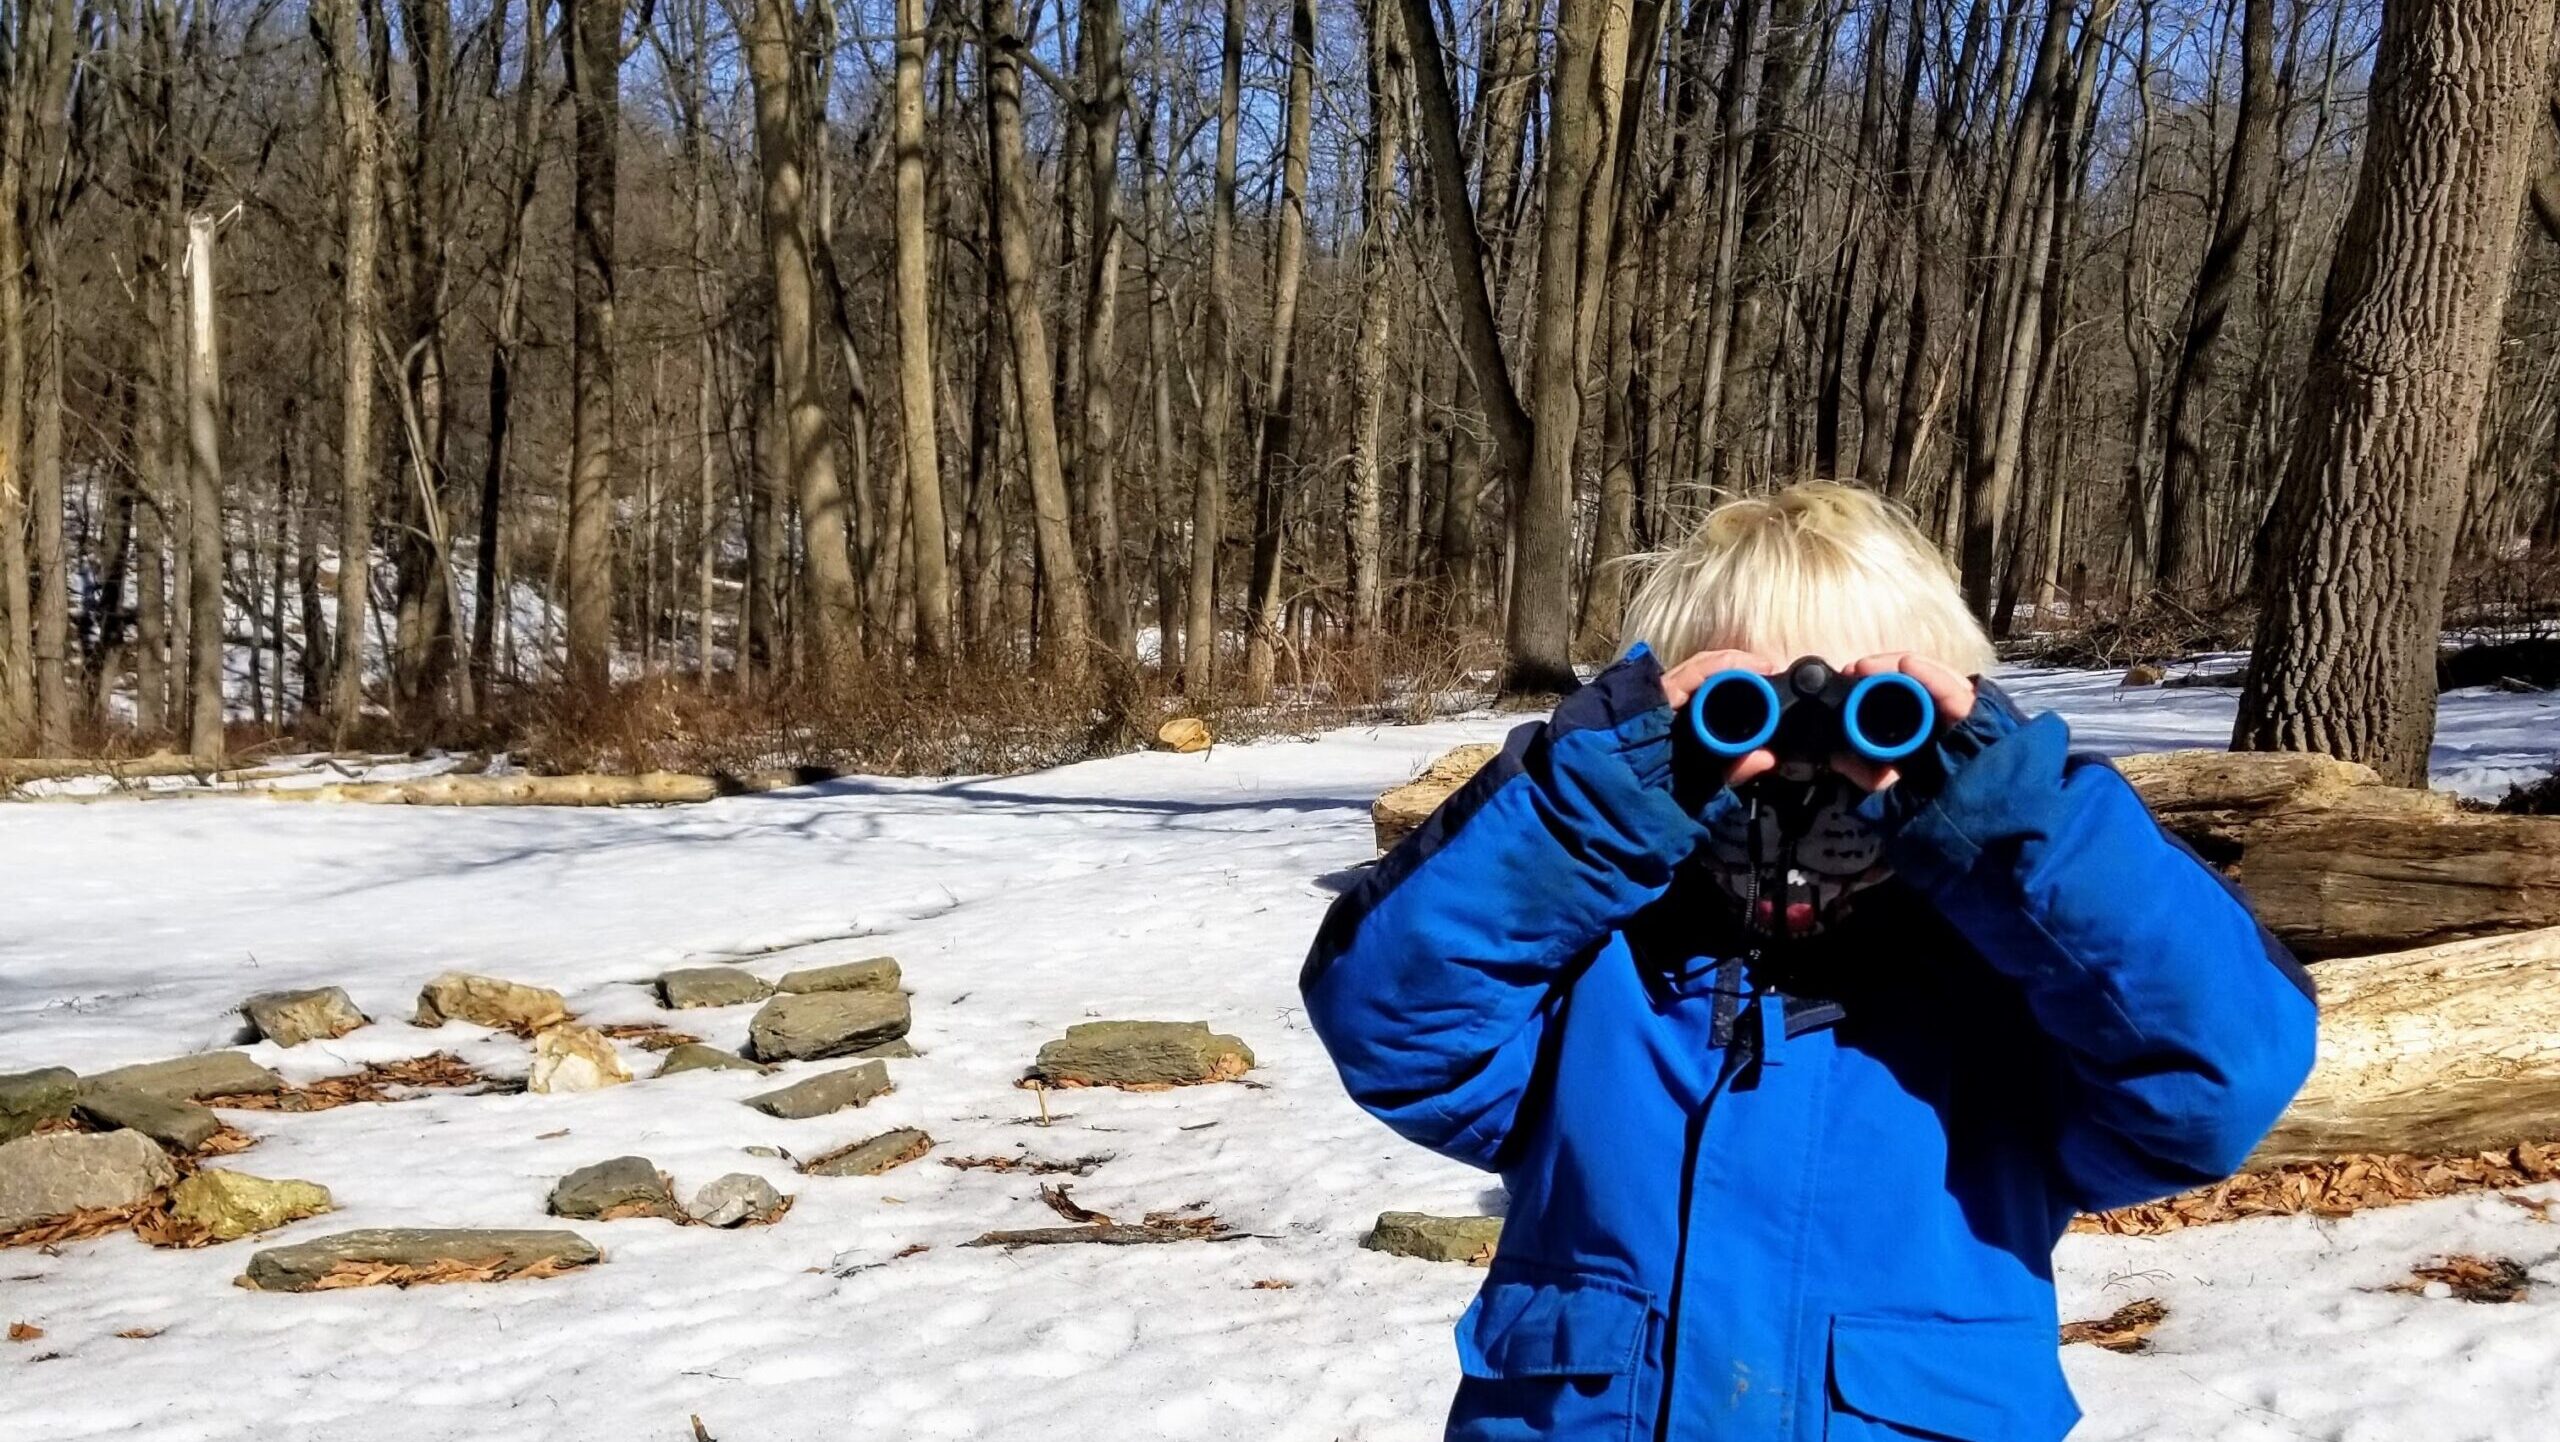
(373, 368)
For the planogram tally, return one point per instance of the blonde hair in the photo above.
(1817, 569)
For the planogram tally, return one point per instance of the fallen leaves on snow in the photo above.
(2126, 1329)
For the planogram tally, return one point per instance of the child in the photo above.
(1792, 1101)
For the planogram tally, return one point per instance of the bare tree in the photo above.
(1277, 411)
(931, 585)
(2364, 526)
(1209, 478)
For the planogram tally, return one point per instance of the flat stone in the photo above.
(1141, 1054)
(575, 1059)
(899, 1050)
(697, 986)
(1436, 1239)
(290, 1018)
(302, 1266)
(735, 1200)
(699, 1056)
(490, 1002)
(877, 973)
(29, 1099)
(826, 1092)
(824, 1024)
(59, 1172)
(170, 1121)
(871, 1157)
(192, 1078)
(232, 1205)
(622, 1187)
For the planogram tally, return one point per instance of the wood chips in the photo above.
(2334, 1189)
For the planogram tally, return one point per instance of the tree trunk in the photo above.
(204, 477)
(833, 623)
(595, 86)
(1363, 504)
(1066, 613)
(1217, 361)
(2218, 280)
(930, 578)
(1106, 100)
(1279, 399)
(1585, 89)
(2362, 535)
(360, 168)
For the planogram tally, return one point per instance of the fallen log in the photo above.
(649, 788)
(2447, 1049)
(19, 770)
(2336, 862)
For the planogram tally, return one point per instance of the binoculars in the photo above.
(1810, 712)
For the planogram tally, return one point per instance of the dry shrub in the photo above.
(2333, 1189)
(2126, 1329)
(2155, 630)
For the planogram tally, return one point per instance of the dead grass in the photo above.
(2333, 1189)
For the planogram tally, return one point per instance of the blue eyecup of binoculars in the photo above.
(1883, 718)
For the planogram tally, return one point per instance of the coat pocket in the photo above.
(1960, 1381)
(1553, 1354)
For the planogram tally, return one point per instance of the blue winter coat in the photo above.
(1751, 1207)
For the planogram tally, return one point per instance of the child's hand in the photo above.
(1682, 681)
(1952, 693)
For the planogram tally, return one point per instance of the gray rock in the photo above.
(871, 1157)
(711, 986)
(818, 1025)
(181, 1125)
(302, 1266)
(29, 1099)
(290, 1018)
(899, 1050)
(878, 973)
(1436, 1239)
(622, 1187)
(1141, 1054)
(192, 1078)
(58, 1172)
(735, 1199)
(826, 1092)
(697, 1056)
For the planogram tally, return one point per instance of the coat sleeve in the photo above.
(2184, 1025)
(1433, 981)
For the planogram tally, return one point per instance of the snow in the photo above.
(1141, 886)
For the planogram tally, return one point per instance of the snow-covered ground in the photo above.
(1142, 886)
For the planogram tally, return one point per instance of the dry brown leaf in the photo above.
(2334, 1188)
(24, 1332)
(436, 1071)
(438, 1273)
(78, 1226)
(140, 1334)
(1272, 1284)
(910, 1251)
(1036, 1166)
(2473, 1279)
(2126, 1329)
(1064, 1205)
(649, 1035)
(1202, 1225)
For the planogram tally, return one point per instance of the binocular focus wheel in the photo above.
(1765, 699)
(1866, 689)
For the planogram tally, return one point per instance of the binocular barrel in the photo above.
(1810, 711)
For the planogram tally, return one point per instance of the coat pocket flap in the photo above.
(1561, 1325)
(1971, 1381)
